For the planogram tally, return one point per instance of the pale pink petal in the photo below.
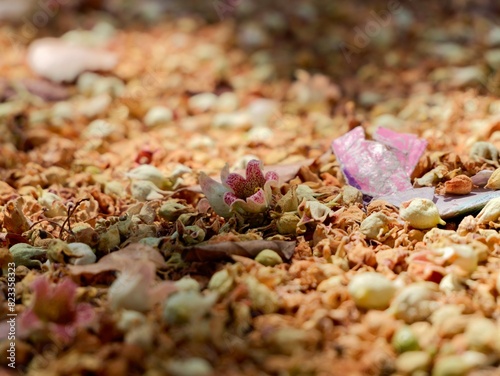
(230, 198)
(59, 60)
(254, 204)
(54, 302)
(214, 191)
(258, 198)
(238, 184)
(131, 289)
(272, 176)
(27, 323)
(255, 178)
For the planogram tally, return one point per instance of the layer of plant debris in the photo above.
(170, 203)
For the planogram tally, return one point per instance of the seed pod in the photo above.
(287, 223)
(189, 366)
(221, 282)
(413, 363)
(421, 213)
(459, 364)
(187, 306)
(459, 185)
(262, 297)
(268, 257)
(461, 256)
(415, 302)
(405, 340)
(171, 210)
(494, 180)
(371, 290)
(451, 283)
(481, 334)
(490, 213)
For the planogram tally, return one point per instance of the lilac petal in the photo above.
(272, 176)
(256, 203)
(258, 197)
(214, 192)
(230, 198)
(255, 178)
(238, 184)
(224, 174)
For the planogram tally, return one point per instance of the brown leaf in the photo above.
(223, 250)
(14, 219)
(11, 239)
(120, 260)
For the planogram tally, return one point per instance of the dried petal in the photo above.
(59, 60)
(14, 219)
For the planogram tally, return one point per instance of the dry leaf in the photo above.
(251, 248)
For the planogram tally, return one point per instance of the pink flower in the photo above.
(236, 194)
(54, 308)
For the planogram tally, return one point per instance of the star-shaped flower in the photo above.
(237, 194)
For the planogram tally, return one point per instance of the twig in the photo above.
(71, 211)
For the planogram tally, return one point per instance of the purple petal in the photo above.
(256, 203)
(255, 177)
(238, 184)
(258, 197)
(271, 175)
(230, 198)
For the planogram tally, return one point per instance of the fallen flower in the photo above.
(54, 309)
(250, 195)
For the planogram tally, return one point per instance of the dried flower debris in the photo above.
(172, 205)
